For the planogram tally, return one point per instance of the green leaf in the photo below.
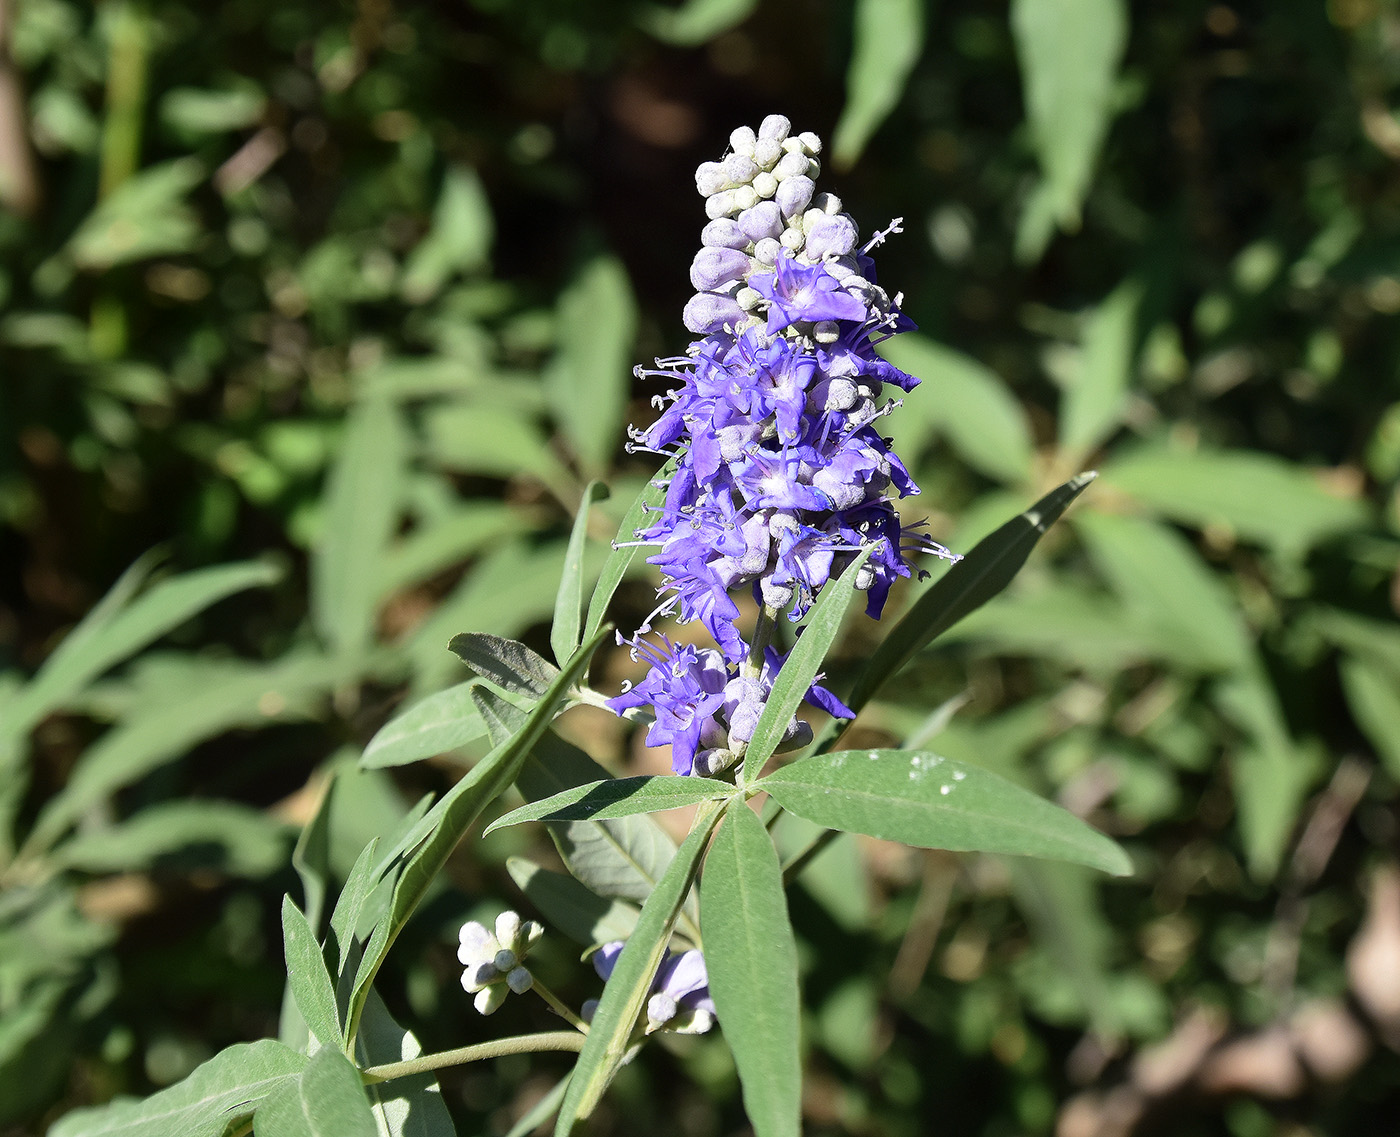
(696, 21)
(919, 798)
(1373, 694)
(310, 982)
(497, 441)
(567, 905)
(211, 1102)
(799, 670)
(1270, 775)
(625, 549)
(311, 856)
(430, 727)
(448, 821)
(193, 110)
(623, 857)
(751, 958)
(1069, 51)
(590, 377)
(402, 1107)
(568, 607)
(627, 989)
(888, 38)
(218, 835)
(363, 498)
(617, 797)
(145, 216)
(966, 402)
(1093, 405)
(244, 696)
(120, 626)
(1168, 587)
(966, 586)
(1260, 497)
(350, 904)
(328, 1100)
(459, 241)
(446, 540)
(510, 665)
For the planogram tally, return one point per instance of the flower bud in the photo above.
(766, 251)
(742, 139)
(520, 980)
(707, 312)
(830, 236)
(793, 239)
(748, 299)
(768, 152)
(723, 234)
(812, 143)
(709, 178)
(764, 220)
(776, 127)
(794, 195)
(745, 197)
(765, 185)
(714, 267)
(489, 999)
(720, 204)
(504, 960)
(661, 1009)
(739, 169)
(828, 203)
(508, 929)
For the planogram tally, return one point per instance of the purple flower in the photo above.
(680, 991)
(796, 292)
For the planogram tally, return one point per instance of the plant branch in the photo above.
(517, 1044)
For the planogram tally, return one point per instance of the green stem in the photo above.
(518, 1044)
(558, 1006)
(762, 637)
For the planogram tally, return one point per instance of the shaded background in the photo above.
(349, 294)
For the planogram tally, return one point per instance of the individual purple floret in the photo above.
(680, 993)
(782, 476)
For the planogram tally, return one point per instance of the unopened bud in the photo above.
(520, 980)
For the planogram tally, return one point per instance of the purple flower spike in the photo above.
(782, 476)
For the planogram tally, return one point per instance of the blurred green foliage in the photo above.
(334, 305)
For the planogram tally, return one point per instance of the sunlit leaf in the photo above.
(431, 726)
(617, 797)
(311, 984)
(751, 959)
(920, 798)
(568, 607)
(327, 1100)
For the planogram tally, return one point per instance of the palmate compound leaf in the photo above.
(965, 587)
(212, 1101)
(751, 958)
(617, 797)
(626, 991)
(919, 798)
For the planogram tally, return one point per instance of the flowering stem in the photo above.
(762, 637)
(518, 1044)
(557, 1005)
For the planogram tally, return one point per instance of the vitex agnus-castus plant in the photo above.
(780, 486)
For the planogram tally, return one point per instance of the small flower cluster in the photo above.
(494, 961)
(680, 991)
(782, 477)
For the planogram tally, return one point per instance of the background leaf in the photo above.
(617, 797)
(431, 726)
(1069, 52)
(887, 38)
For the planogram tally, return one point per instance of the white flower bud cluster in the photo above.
(494, 960)
(762, 202)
